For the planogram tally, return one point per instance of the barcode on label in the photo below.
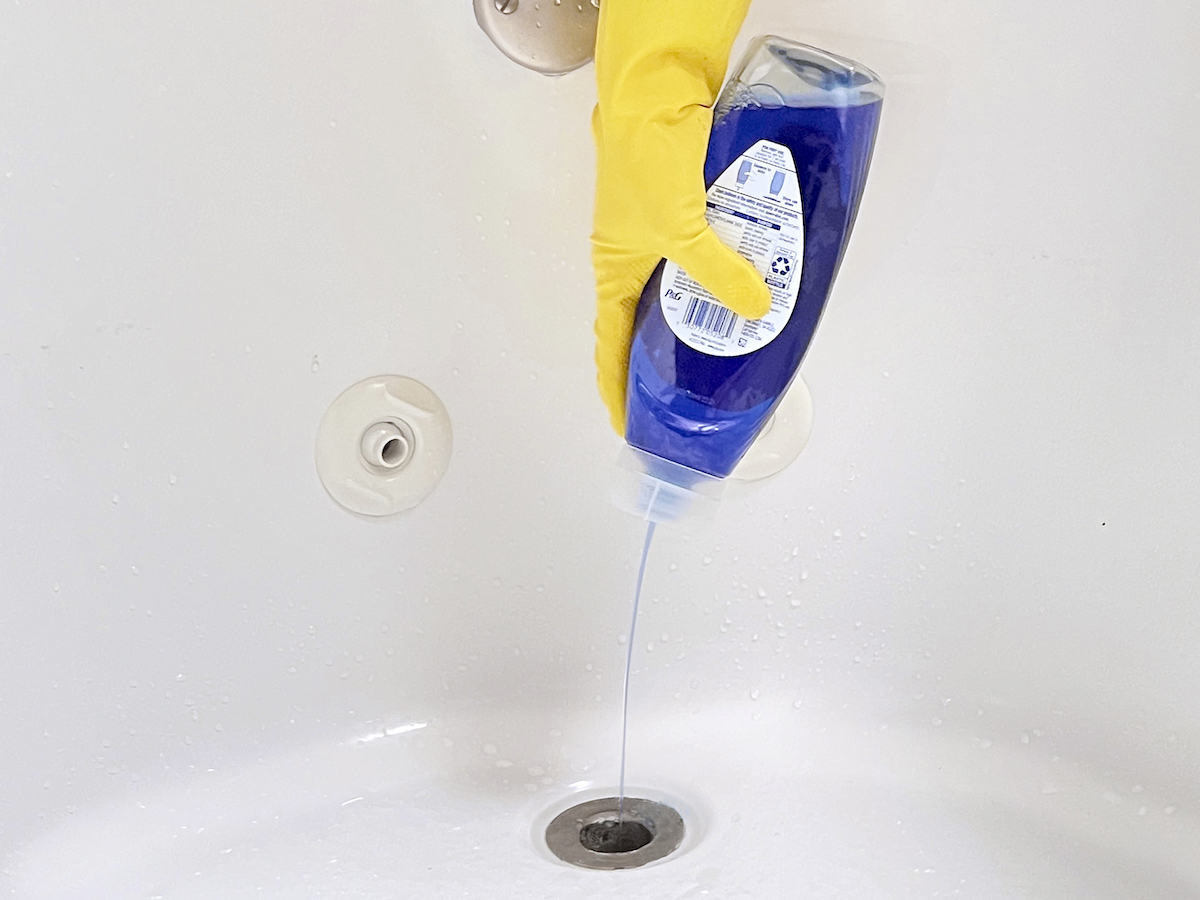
(712, 318)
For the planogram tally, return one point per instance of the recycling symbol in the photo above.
(781, 266)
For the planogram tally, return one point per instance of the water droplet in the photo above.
(171, 479)
(55, 588)
(135, 570)
(754, 694)
(797, 704)
(762, 594)
(315, 364)
(863, 533)
(621, 639)
(794, 602)
(479, 218)
(490, 749)
(116, 498)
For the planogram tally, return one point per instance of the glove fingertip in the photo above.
(753, 301)
(727, 276)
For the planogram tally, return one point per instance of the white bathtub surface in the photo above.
(951, 652)
(774, 799)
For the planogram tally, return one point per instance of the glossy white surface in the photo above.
(978, 581)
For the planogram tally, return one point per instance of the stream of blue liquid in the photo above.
(637, 596)
(703, 411)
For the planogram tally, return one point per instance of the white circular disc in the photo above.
(783, 437)
(372, 410)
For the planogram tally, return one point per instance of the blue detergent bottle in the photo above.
(787, 161)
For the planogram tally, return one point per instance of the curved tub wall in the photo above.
(212, 223)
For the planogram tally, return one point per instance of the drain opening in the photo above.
(592, 836)
(611, 836)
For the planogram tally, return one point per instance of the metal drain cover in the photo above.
(548, 36)
(594, 824)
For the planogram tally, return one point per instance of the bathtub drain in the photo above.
(590, 834)
(610, 836)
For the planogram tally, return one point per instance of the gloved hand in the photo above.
(659, 66)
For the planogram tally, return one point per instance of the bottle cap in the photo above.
(664, 492)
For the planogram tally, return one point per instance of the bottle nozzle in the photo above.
(664, 492)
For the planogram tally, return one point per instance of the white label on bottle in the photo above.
(754, 207)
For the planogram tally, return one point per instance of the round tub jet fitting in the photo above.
(782, 438)
(549, 36)
(383, 445)
(596, 835)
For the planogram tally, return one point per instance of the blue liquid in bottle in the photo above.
(703, 411)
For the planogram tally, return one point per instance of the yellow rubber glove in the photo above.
(659, 66)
